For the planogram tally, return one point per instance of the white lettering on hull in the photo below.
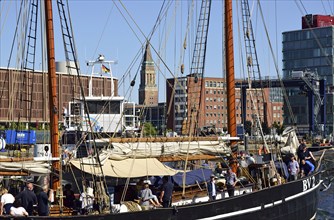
(308, 183)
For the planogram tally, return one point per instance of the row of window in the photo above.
(215, 99)
(215, 92)
(104, 107)
(215, 107)
(307, 34)
(215, 115)
(310, 53)
(211, 122)
(301, 64)
(215, 84)
(307, 44)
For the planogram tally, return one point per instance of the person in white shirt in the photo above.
(87, 200)
(18, 210)
(6, 202)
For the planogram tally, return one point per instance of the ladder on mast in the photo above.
(198, 60)
(28, 66)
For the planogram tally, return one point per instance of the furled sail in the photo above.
(126, 168)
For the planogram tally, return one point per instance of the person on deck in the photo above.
(69, 196)
(307, 167)
(218, 169)
(87, 200)
(305, 154)
(146, 196)
(166, 193)
(231, 181)
(212, 188)
(293, 169)
(43, 201)
(7, 201)
(18, 210)
(28, 198)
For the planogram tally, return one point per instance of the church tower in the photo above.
(148, 90)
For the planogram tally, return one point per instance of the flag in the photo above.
(105, 69)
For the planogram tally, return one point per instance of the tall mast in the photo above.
(230, 82)
(53, 104)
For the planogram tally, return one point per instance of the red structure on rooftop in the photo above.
(314, 21)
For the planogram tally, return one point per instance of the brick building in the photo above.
(208, 106)
(18, 86)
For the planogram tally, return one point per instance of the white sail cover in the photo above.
(32, 167)
(125, 168)
(157, 149)
(292, 143)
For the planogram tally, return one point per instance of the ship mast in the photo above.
(230, 82)
(53, 103)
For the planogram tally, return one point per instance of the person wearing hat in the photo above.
(212, 188)
(146, 196)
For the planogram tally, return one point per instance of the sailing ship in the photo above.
(294, 200)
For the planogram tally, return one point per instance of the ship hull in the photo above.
(294, 200)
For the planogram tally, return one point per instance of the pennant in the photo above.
(105, 69)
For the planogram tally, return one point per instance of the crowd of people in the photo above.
(24, 202)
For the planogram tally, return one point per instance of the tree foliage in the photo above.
(149, 130)
(279, 127)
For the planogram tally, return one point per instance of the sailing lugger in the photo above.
(293, 200)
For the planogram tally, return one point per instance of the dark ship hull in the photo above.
(293, 200)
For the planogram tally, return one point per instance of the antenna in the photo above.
(103, 70)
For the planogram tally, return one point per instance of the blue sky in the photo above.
(100, 28)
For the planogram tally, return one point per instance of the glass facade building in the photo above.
(308, 49)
